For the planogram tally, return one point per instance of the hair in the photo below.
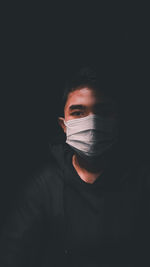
(93, 78)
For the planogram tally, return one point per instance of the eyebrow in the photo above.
(97, 105)
(72, 107)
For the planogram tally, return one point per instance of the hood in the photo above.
(59, 152)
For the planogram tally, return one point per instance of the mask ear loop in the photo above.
(65, 122)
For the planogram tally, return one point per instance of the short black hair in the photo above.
(91, 77)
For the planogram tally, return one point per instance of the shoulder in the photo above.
(47, 175)
(137, 172)
(41, 183)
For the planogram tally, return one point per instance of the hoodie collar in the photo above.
(59, 152)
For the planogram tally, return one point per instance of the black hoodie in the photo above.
(60, 220)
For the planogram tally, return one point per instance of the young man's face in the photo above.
(85, 101)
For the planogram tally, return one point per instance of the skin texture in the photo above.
(91, 101)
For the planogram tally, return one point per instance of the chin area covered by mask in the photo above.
(101, 157)
(92, 137)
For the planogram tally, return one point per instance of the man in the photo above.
(89, 206)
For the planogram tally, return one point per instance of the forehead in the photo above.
(85, 96)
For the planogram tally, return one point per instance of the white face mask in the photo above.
(92, 135)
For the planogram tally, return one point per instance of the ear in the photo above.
(61, 123)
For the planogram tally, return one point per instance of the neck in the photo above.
(91, 167)
(88, 172)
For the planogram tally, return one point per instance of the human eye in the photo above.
(76, 113)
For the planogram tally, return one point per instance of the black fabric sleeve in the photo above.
(23, 235)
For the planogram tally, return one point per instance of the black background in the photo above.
(42, 45)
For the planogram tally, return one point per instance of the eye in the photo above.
(77, 113)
